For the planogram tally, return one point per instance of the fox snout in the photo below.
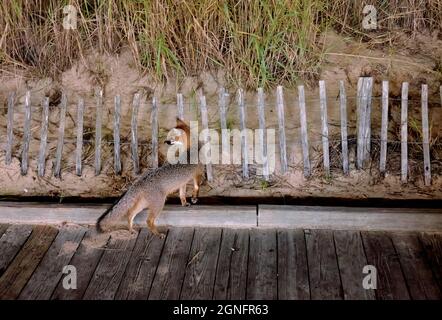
(168, 142)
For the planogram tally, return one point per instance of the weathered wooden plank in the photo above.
(110, 270)
(384, 128)
(50, 270)
(426, 136)
(432, 244)
(205, 124)
(171, 268)
(134, 132)
(262, 134)
(323, 265)
(351, 261)
(21, 268)
(79, 146)
(262, 266)
(26, 134)
(85, 260)
(304, 134)
(360, 123)
(117, 146)
(3, 228)
(225, 141)
(364, 116)
(417, 272)
(244, 142)
(404, 132)
(281, 125)
(201, 266)
(180, 106)
(381, 254)
(140, 271)
(231, 273)
(293, 281)
(98, 127)
(154, 121)
(9, 128)
(324, 127)
(344, 124)
(60, 142)
(41, 163)
(349, 218)
(11, 242)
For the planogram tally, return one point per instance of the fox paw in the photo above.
(194, 200)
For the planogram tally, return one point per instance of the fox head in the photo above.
(179, 134)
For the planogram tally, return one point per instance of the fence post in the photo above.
(324, 121)
(404, 132)
(154, 121)
(10, 131)
(134, 132)
(225, 143)
(117, 157)
(79, 149)
(384, 128)
(26, 134)
(281, 124)
(426, 135)
(344, 134)
(205, 123)
(98, 121)
(367, 133)
(304, 134)
(60, 142)
(364, 86)
(262, 133)
(43, 137)
(180, 106)
(242, 125)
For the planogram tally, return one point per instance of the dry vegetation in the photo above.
(255, 42)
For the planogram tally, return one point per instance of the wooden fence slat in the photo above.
(404, 132)
(26, 134)
(134, 132)
(344, 134)
(117, 147)
(324, 121)
(304, 134)
(426, 135)
(98, 125)
(180, 106)
(154, 122)
(60, 142)
(79, 147)
(244, 142)
(262, 134)
(281, 124)
(10, 132)
(205, 123)
(43, 138)
(384, 128)
(367, 127)
(360, 123)
(225, 143)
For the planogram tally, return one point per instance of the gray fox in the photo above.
(152, 188)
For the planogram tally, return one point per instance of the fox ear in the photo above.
(181, 123)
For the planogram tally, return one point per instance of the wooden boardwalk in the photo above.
(214, 263)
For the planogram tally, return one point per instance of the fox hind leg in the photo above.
(196, 188)
(154, 211)
(139, 205)
(184, 202)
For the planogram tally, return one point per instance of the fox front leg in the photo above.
(196, 189)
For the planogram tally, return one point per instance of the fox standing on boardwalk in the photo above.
(152, 188)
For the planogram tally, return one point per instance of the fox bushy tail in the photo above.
(115, 212)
